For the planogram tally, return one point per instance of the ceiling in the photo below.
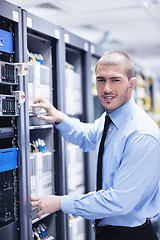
(132, 26)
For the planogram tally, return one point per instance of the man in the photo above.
(128, 193)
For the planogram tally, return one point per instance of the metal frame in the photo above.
(35, 25)
(8, 10)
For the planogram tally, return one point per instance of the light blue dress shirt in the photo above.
(131, 167)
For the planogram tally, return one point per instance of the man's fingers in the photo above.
(42, 117)
(39, 99)
(39, 209)
(35, 199)
(38, 105)
(46, 118)
(40, 213)
(35, 204)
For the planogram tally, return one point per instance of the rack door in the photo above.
(40, 52)
(11, 120)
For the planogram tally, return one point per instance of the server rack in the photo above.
(41, 46)
(11, 124)
(61, 183)
(77, 62)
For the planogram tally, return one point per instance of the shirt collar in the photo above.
(121, 113)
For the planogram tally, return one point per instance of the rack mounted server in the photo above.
(8, 105)
(8, 73)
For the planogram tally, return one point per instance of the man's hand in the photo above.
(53, 115)
(47, 204)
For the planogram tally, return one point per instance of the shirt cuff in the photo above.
(66, 123)
(67, 204)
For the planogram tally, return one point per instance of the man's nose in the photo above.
(107, 87)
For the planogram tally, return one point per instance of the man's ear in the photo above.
(132, 83)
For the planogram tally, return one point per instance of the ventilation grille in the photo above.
(48, 5)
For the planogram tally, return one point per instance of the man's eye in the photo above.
(100, 80)
(115, 80)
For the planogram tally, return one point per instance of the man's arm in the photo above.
(53, 115)
(52, 203)
(47, 204)
(74, 131)
(133, 179)
(136, 177)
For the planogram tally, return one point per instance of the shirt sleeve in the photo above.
(78, 133)
(135, 181)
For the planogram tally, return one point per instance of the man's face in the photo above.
(113, 87)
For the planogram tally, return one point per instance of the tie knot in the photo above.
(107, 120)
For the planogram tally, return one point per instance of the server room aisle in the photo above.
(39, 57)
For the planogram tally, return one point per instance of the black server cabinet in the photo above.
(11, 123)
(40, 49)
(77, 100)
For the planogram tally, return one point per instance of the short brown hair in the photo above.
(116, 58)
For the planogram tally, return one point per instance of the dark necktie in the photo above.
(100, 153)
